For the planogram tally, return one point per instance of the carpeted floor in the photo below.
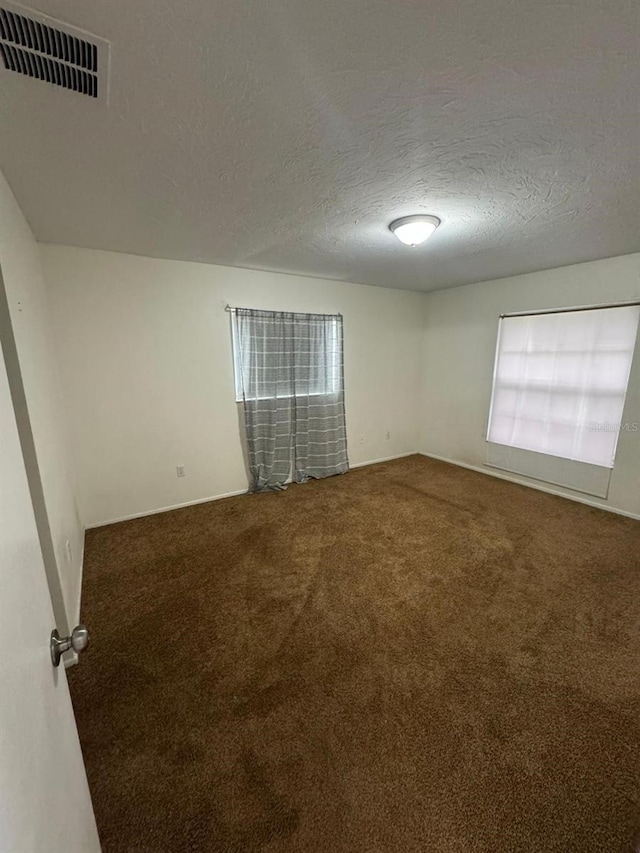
(410, 657)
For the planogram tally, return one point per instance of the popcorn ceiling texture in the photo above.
(286, 135)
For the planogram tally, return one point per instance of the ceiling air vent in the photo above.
(43, 48)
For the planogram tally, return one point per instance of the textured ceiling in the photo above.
(286, 134)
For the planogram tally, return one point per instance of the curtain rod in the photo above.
(577, 308)
(232, 308)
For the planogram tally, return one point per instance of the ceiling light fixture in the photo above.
(414, 230)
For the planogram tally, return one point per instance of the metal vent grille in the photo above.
(34, 48)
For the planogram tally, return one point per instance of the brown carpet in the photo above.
(410, 657)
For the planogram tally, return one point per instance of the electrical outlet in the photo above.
(180, 471)
(67, 546)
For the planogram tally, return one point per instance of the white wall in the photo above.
(26, 296)
(145, 356)
(459, 348)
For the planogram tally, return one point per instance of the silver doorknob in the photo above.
(78, 641)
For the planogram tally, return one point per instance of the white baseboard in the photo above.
(157, 511)
(383, 459)
(522, 481)
(220, 497)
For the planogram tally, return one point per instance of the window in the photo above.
(289, 379)
(301, 357)
(560, 382)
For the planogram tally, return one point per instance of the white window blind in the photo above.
(560, 382)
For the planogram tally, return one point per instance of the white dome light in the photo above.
(414, 230)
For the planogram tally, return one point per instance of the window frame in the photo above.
(497, 385)
(237, 377)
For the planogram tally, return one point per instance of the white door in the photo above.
(44, 797)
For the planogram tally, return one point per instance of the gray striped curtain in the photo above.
(292, 378)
